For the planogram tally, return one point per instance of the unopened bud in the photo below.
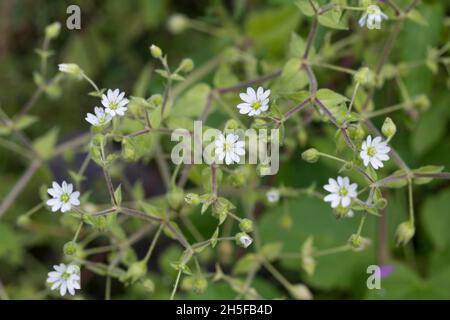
(70, 68)
(311, 155)
(175, 197)
(70, 248)
(155, 51)
(192, 199)
(128, 150)
(405, 232)
(177, 23)
(389, 128)
(136, 271)
(23, 221)
(300, 292)
(422, 102)
(243, 240)
(199, 284)
(246, 225)
(156, 100)
(187, 65)
(52, 30)
(365, 77)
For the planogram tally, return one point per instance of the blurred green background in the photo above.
(112, 47)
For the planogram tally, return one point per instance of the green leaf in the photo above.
(426, 169)
(436, 218)
(306, 8)
(270, 29)
(271, 251)
(118, 195)
(44, 145)
(224, 77)
(245, 264)
(417, 17)
(292, 79)
(400, 183)
(297, 46)
(152, 210)
(10, 245)
(192, 102)
(214, 238)
(24, 122)
(332, 19)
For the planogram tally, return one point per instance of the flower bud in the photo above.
(300, 292)
(175, 197)
(71, 68)
(311, 155)
(358, 243)
(381, 203)
(405, 232)
(155, 51)
(302, 137)
(341, 212)
(422, 102)
(23, 221)
(273, 195)
(389, 71)
(243, 240)
(231, 125)
(365, 77)
(389, 128)
(356, 132)
(199, 284)
(128, 150)
(70, 248)
(52, 30)
(246, 225)
(177, 23)
(136, 271)
(155, 100)
(187, 65)
(192, 199)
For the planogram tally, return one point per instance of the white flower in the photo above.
(63, 197)
(245, 241)
(254, 102)
(229, 148)
(374, 152)
(66, 278)
(372, 17)
(341, 192)
(273, 196)
(114, 102)
(100, 118)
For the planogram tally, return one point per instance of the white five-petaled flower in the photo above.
(374, 152)
(115, 102)
(229, 148)
(254, 102)
(63, 197)
(273, 196)
(245, 241)
(341, 192)
(372, 17)
(100, 118)
(65, 278)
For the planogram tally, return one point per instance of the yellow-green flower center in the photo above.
(227, 147)
(65, 275)
(65, 198)
(113, 105)
(371, 151)
(343, 192)
(256, 105)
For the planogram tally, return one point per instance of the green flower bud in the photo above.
(177, 23)
(156, 100)
(302, 137)
(199, 284)
(246, 225)
(23, 221)
(231, 125)
(389, 128)
(71, 68)
(175, 197)
(136, 271)
(259, 124)
(243, 240)
(358, 243)
(381, 203)
(187, 65)
(100, 223)
(308, 261)
(365, 77)
(148, 285)
(389, 71)
(341, 212)
(356, 132)
(405, 232)
(128, 150)
(365, 3)
(422, 102)
(311, 155)
(70, 248)
(192, 199)
(52, 30)
(300, 292)
(156, 51)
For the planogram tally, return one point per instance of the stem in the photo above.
(152, 245)
(410, 201)
(175, 285)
